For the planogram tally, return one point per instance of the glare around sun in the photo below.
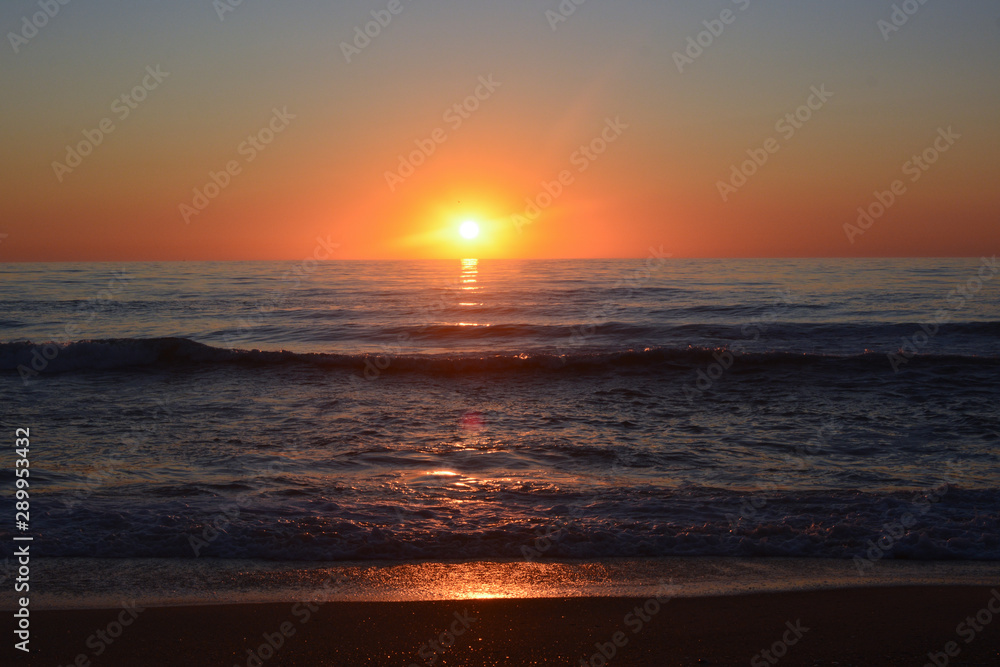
(469, 229)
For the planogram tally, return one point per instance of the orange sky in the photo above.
(531, 99)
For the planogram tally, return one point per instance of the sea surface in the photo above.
(496, 410)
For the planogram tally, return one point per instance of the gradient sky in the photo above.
(324, 175)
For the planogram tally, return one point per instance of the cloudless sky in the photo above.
(657, 184)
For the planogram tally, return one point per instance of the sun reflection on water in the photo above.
(469, 275)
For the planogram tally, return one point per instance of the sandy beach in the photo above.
(864, 626)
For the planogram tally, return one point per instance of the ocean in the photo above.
(254, 421)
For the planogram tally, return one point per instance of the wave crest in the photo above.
(169, 353)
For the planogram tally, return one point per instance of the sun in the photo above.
(469, 229)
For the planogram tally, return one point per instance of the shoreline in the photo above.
(853, 626)
(92, 583)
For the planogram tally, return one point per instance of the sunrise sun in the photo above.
(469, 229)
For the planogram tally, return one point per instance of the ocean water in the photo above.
(402, 412)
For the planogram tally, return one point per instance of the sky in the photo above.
(201, 130)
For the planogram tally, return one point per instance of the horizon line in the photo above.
(503, 259)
